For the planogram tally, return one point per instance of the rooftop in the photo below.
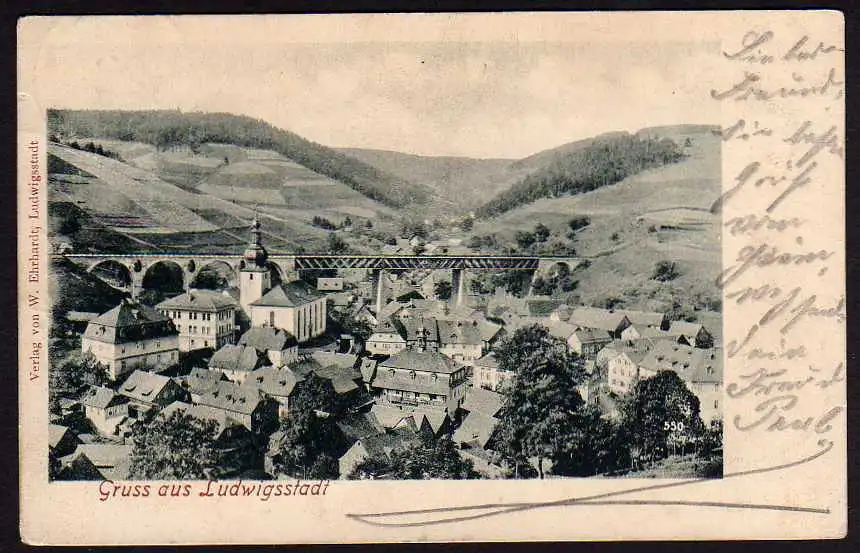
(422, 361)
(199, 300)
(277, 382)
(231, 397)
(479, 400)
(266, 338)
(691, 364)
(289, 294)
(143, 386)
(596, 318)
(129, 322)
(237, 358)
(100, 397)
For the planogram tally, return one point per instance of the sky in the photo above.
(478, 98)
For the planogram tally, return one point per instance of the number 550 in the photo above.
(673, 426)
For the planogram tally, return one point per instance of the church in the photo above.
(295, 307)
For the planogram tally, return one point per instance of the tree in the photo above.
(347, 221)
(443, 290)
(579, 222)
(337, 245)
(178, 447)
(541, 232)
(70, 224)
(543, 286)
(660, 412)
(664, 271)
(307, 445)
(524, 239)
(314, 393)
(538, 414)
(76, 373)
(425, 460)
(593, 446)
(467, 224)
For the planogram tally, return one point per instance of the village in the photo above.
(300, 379)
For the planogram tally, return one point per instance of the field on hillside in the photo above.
(659, 214)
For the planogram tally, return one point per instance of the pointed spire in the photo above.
(255, 252)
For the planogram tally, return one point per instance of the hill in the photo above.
(165, 129)
(584, 166)
(658, 214)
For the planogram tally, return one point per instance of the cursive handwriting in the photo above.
(766, 255)
(746, 224)
(829, 140)
(738, 131)
(774, 418)
(764, 382)
(753, 49)
(752, 87)
(753, 173)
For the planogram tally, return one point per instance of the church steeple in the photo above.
(255, 253)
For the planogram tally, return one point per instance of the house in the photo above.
(111, 460)
(237, 362)
(76, 467)
(130, 336)
(330, 284)
(700, 369)
(277, 383)
(421, 333)
(235, 443)
(593, 318)
(361, 312)
(691, 334)
(204, 318)
(104, 408)
(293, 306)
(341, 370)
(149, 392)
(378, 446)
(417, 378)
(388, 338)
(587, 343)
(486, 373)
(61, 440)
(247, 405)
(367, 368)
(622, 369)
(467, 340)
(640, 331)
(649, 319)
(390, 417)
(486, 402)
(475, 431)
(279, 346)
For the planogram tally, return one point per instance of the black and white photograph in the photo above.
(383, 261)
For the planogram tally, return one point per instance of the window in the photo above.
(205, 343)
(716, 403)
(251, 276)
(412, 375)
(272, 319)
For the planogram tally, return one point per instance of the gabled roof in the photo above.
(198, 385)
(683, 328)
(231, 397)
(433, 417)
(381, 445)
(237, 358)
(423, 361)
(591, 336)
(488, 361)
(129, 322)
(459, 333)
(266, 338)
(56, 433)
(368, 369)
(422, 383)
(691, 364)
(390, 417)
(277, 382)
(106, 455)
(561, 329)
(416, 325)
(647, 318)
(199, 300)
(479, 400)
(100, 397)
(476, 428)
(601, 319)
(357, 426)
(202, 412)
(143, 386)
(290, 294)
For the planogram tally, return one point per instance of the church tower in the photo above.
(254, 278)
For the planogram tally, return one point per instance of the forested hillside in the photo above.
(609, 159)
(165, 129)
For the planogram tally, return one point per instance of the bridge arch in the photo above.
(215, 274)
(112, 272)
(165, 276)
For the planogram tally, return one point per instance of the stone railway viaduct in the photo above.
(135, 266)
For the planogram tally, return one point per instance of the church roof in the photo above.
(290, 294)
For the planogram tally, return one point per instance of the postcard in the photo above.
(432, 277)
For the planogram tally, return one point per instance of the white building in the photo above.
(131, 336)
(294, 307)
(204, 318)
